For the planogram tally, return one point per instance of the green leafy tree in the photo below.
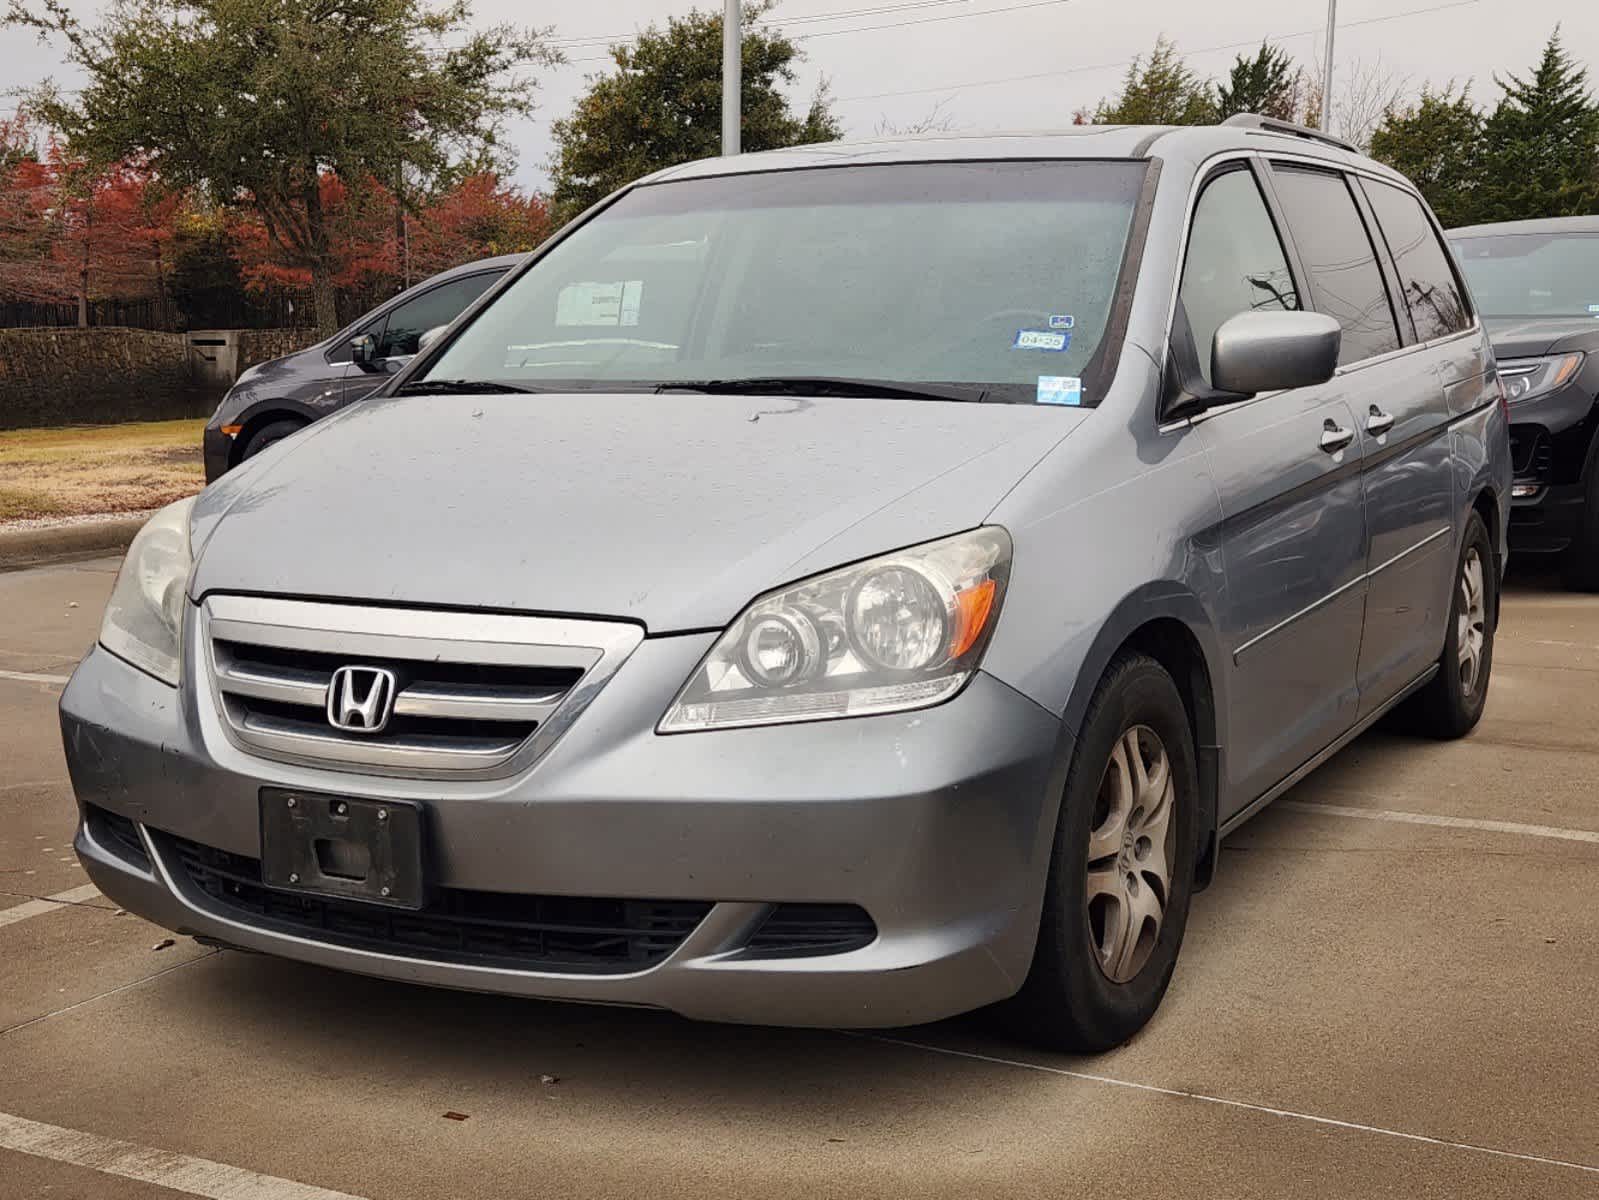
(1159, 91)
(663, 105)
(1542, 144)
(1438, 144)
(256, 101)
(1267, 83)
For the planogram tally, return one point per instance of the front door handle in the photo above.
(1379, 422)
(1334, 437)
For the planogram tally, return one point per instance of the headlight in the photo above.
(899, 632)
(144, 619)
(1525, 378)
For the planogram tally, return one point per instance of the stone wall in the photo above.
(107, 375)
(263, 345)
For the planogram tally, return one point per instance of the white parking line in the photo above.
(1247, 1106)
(31, 677)
(37, 908)
(180, 1172)
(1410, 818)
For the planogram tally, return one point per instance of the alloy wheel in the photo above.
(1130, 851)
(1471, 622)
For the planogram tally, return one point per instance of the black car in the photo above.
(1537, 286)
(277, 398)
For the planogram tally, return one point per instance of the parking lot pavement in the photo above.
(1388, 991)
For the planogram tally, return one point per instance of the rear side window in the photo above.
(440, 306)
(1432, 293)
(1345, 281)
(1235, 262)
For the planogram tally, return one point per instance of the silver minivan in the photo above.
(845, 586)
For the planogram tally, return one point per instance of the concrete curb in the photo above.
(21, 548)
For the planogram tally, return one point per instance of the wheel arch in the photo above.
(258, 418)
(1170, 625)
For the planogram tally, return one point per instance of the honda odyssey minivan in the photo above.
(844, 586)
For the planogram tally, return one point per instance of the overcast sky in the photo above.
(1029, 67)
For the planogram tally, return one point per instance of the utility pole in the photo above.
(1326, 72)
(732, 76)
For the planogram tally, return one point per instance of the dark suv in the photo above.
(277, 398)
(1537, 285)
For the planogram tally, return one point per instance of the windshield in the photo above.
(994, 280)
(1533, 274)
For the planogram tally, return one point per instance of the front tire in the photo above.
(1452, 703)
(1122, 871)
(268, 435)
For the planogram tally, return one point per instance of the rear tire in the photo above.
(1452, 702)
(269, 434)
(1122, 870)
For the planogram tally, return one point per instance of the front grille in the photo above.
(796, 930)
(557, 934)
(475, 695)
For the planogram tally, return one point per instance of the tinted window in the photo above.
(996, 276)
(1533, 274)
(439, 306)
(1428, 282)
(1345, 281)
(1235, 261)
(341, 352)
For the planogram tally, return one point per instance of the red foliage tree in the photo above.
(67, 233)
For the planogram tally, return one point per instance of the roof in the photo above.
(1545, 225)
(1187, 145)
(503, 262)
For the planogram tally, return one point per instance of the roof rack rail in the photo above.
(1274, 125)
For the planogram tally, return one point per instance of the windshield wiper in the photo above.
(458, 387)
(823, 385)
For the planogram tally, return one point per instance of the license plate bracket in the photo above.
(343, 846)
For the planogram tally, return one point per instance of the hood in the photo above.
(1527, 337)
(674, 511)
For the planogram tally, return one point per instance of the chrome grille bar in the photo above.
(477, 695)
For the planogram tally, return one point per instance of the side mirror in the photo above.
(364, 352)
(428, 337)
(1269, 351)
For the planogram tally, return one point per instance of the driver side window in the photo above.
(1235, 261)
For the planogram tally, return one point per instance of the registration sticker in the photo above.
(1594, 309)
(1063, 321)
(1041, 339)
(1060, 389)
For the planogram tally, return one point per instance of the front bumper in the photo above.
(938, 823)
(1548, 520)
(217, 450)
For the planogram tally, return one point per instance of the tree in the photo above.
(256, 101)
(1438, 144)
(68, 232)
(663, 106)
(1363, 94)
(1542, 143)
(477, 218)
(1267, 83)
(1161, 91)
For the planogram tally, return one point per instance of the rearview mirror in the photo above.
(429, 337)
(364, 352)
(1269, 351)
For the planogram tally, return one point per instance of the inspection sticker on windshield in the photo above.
(1065, 321)
(1060, 389)
(1041, 339)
